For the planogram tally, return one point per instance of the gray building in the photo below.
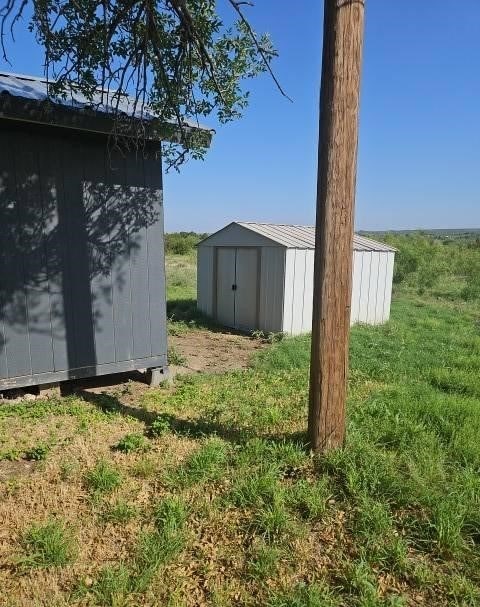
(260, 276)
(82, 279)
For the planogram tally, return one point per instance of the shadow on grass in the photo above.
(185, 311)
(201, 427)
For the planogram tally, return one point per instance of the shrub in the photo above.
(182, 243)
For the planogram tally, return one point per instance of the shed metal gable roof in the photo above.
(107, 103)
(303, 237)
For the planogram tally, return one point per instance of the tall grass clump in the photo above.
(48, 545)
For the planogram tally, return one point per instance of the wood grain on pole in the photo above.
(337, 162)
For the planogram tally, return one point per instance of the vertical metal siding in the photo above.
(271, 289)
(82, 280)
(387, 299)
(381, 287)
(101, 282)
(364, 286)
(15, 341)
(288, 297)
(157, 295)
(139, 275)
(373, 287)
(356, 285)
(205, 278)
(308, 290)
(298, 291)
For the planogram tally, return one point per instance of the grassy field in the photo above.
(204, 493)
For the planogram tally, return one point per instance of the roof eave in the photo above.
(46, 112)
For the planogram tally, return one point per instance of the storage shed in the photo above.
(82, 278)
(260, 276)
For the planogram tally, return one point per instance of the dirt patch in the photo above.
(12, 469)
(205, 351)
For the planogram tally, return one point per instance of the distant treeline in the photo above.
(437, 262)
(466, 234)
(182, 243)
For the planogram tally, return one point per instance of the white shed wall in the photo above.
(298, 301)
(372, 286)
(205, 278)
(271, 283)
(371, 289)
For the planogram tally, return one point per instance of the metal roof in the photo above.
(104, 102)
(303, 237)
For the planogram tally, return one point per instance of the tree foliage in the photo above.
(178, 57)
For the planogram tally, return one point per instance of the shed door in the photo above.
(225, 286)
(246, 289)
(237, 287)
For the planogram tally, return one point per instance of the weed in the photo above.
(119, 512)
(447, 524)
(131, 443)
(462, 591)
(103, 478)
(275, 337)
(157, 548)
(256, 489)
(11, 455)
(46, 545)
(145, 467)
(359, 580)
(372, 522)
(175, 357)
(38, 453)
(161, 425)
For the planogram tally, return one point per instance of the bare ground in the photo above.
(210, 352)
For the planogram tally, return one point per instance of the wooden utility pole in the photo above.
(337, 162)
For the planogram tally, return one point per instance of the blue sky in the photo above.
(419, 148)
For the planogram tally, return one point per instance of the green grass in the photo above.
(263, 561)
(112, 586)
(103, 478)
(206, 464)
(118, 513)
(231, 508)
(47, 545)
(303, 595)
(132, 443)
